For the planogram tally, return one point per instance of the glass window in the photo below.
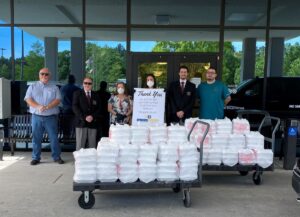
(48, 12)
(291, 57)
(111, 12)
(4, 11)
(32, 58)
(5, 49)
(178, 12)
(245, 13)
(106, 56)
(158, 69)
(285, 13)
(234, 64)
(175, 40)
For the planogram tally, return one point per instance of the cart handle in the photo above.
(240, 113)
(272, 139)
(205, 132)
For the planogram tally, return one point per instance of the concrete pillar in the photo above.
(248, 59)
(51, 56)
(275, 58)
(77, 70)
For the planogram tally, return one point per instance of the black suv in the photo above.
(282, 100)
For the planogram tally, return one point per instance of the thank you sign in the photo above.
(148, 106)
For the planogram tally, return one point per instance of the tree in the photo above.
(106, 63)
(64, 58)
(231, 61)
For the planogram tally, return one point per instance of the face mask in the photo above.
(150, 83)
(120, 90)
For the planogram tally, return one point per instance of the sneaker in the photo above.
(59, 161)
(34, 162)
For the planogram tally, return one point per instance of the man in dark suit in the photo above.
(87, 109)
(181, 97)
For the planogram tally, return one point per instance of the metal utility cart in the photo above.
(268, 121)
(87, 199)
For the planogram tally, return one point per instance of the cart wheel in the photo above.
(88, 202)
(177, 189)
(256, 178)
(187, 198)
(243, 173)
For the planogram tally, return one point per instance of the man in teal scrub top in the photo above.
(213, 96)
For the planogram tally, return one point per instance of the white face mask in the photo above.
(150, 83)
(120, 90)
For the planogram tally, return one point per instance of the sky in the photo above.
(136, 46)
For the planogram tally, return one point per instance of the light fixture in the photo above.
(206, 66)
(162, 19)
(157, 73)
(161, 63)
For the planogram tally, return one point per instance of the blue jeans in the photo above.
(39, 125)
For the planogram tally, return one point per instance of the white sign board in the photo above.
(5, 103)
(148, 107)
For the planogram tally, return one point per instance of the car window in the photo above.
(253, 90)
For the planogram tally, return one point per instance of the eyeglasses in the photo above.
(210, 72)
(87, 83)
(44, 74)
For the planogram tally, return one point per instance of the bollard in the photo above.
(290, 144)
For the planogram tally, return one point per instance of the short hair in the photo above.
(183, 67)
(87, 78)
(71, 79)
(212, 68)
(103, 85)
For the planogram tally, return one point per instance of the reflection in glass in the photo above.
(196, 71)
(106, 56)
(158, 69)
(5, 52)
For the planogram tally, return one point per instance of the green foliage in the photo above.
(64, 59)
(106, 63)
(291, 60)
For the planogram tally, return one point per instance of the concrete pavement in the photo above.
(45, 190)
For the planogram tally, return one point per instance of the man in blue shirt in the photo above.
(213, 96)
(43, 99)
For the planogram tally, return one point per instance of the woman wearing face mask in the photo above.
(120, 106)
(150, 81)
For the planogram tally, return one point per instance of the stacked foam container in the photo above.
(127, 163)
(158, 134)
(120, 134)
(107, 161)
(85, 165)
(231, 143)
(167, 167)
(139, 134)
(147, 162)
(188, 161)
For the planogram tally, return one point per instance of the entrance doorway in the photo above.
(164, 66)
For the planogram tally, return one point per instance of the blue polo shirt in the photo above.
(212, 98)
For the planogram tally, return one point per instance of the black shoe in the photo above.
(59, 161)
(34, 162)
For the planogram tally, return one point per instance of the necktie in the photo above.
(88, 97)
(182, 87)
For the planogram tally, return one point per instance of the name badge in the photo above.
(188, 93)
(94, 102)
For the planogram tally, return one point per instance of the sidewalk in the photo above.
(45, 190)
